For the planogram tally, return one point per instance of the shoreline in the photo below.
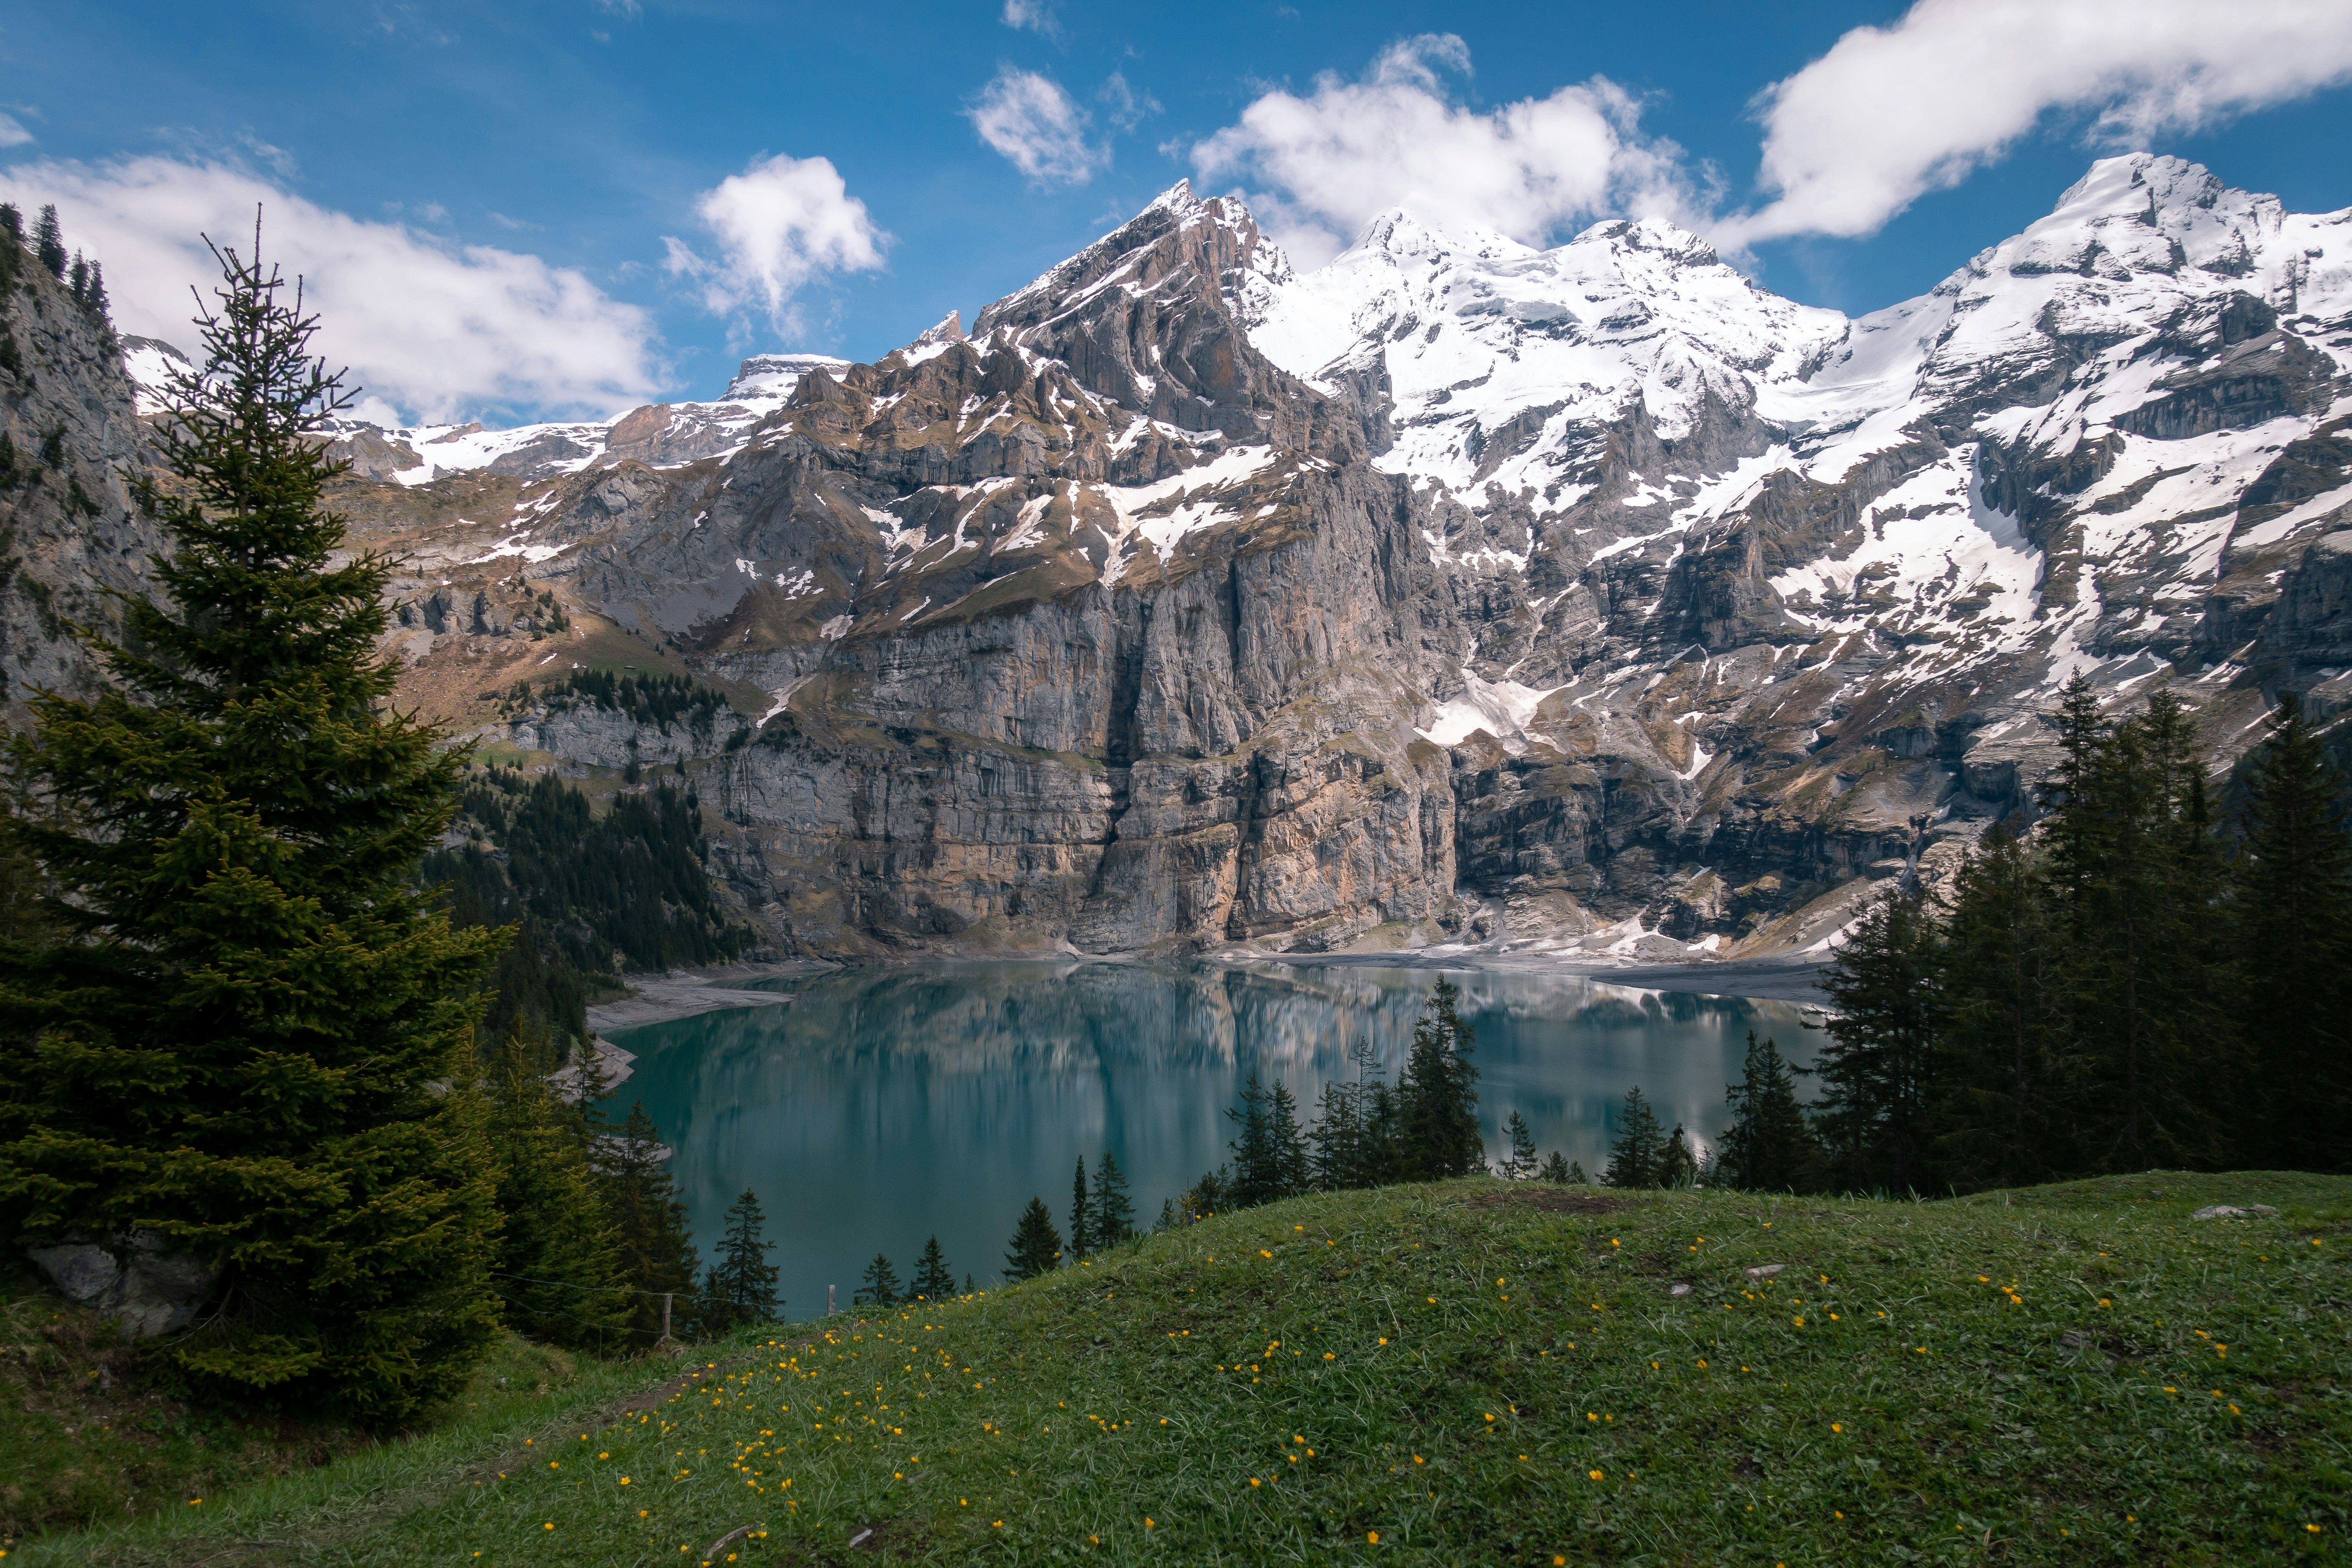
(688, 992)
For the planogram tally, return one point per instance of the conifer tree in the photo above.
(1876, 1070)
(1437, 1095)
(933, 1281)
(1270, 1158)
(1036, 1246)
(878, 1287)
(49, 244)
(1677, 1167)
(1113, 1214)
(1638, 1152)
(740, 1287)
(2001, 1065)
(1768, 1147)
(654, 1239)
(1554, 1169)
(1344, 1148)
(559, 1265)
(1082, 1218)
(243, 1040)
(1576, 1177)
(2292, 887)
(1521, 1163)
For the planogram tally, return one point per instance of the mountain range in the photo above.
(1455, 593)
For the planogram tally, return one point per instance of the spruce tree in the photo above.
(1270, 1157)
(1768, 1147)
(878, 1287)
(1521, 1163)
(244, 1043)
(1876, 1069)
(1677, 1167)
(1082, 1218)
(933, 1281)
(559, 1265)
(1114, 1216)
(740, 1287)
(1344, 1149)
(654, 1239)
(1638, 1152)
(49, 244)
(1437, 1094)
(2292, 883)
(1036, 1246)
(2002, 1067)
(1576, 1177)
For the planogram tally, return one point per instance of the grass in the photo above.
(1466, 1374)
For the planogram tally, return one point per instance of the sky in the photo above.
(569, 208)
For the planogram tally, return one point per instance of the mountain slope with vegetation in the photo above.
(1470, 1372)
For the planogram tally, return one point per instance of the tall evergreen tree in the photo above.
(1345, 1149)
(1082, 1217)
(1521, 1163)
(1270, 1159)
(655, 1240)
(558, 1264)
(2293, 886)
(1877, 1068)
(243, 1043)
(1113, 1214)
(1638, 1152)
(1555, 1168)
(1036, 1246)
(740, 1287)
(878, 1287)
(1437, 1094)
(49, 244)
(1768, 1147)
(2002, 1067)
(1677, 1167)
(933, 1281)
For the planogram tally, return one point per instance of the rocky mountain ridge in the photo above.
(1458, 592)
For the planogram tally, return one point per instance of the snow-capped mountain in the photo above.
(1456, 591)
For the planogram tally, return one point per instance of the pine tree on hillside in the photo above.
(1576, 1177)
(878, 1287)
(1270, 1158)
(1521, 1163)
(1638, 1152)
(655, 1240)
(1082, 1218)
(558, 1264)
(1345, 1149)
(1437, 1095)
(1114, 1214)
(2293, 886)
(49, 244)
(740, 1287)
(1554, 1169)
(1769, 1147)
(1876, 1069)
(1036, 1246)
(933, 1281)
(242, 1043)
(2002, 1063)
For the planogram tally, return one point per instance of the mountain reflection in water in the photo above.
(885, 1105)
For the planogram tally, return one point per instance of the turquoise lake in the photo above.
(885, 1105)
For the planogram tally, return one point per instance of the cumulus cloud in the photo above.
(1323, 166)
(1890, 113)
(781, 224)
(429, 328)
(1038, 15)
(1041, 129)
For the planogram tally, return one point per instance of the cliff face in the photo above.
(1456, 592)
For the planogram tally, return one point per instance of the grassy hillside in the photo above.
(1468, 1373)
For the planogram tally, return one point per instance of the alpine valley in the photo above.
(1458, 592)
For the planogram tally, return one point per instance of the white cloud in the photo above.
(1325, 165)
(780, 223)
(1127, 108)
(1890, 113)
(12, 131)
(429, 328)
(1030, 120)
(1038, 15)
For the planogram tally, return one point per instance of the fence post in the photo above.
(828, 1300)
(665, 1337)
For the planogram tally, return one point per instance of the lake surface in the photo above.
(883, 1106)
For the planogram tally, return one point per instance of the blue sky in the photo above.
(543, 173)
